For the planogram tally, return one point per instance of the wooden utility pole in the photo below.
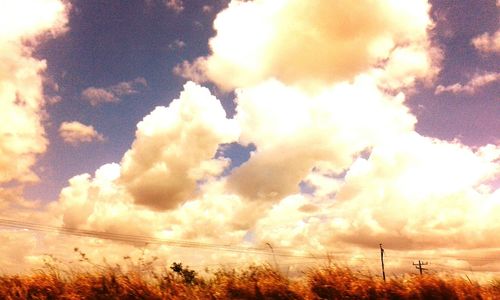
(382, 260)
(419, 266)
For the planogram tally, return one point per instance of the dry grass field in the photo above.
(254, 282)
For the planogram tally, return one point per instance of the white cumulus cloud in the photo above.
(294, 131)
(318, 42)
(21, 83)
(174, 148)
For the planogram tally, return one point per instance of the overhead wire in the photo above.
(278, 251)
(134, 239)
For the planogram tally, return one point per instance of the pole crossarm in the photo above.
(419, 266)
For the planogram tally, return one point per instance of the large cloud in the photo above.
(173, 152)
(411, 193)
(171, 161)
(294, 132)
(21, 94)
(175, 147)
(101, 203)
(420, 192)
(315, 42)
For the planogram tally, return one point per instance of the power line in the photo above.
(278, 251)
(147, 240)
(119, 237)
(443, 257)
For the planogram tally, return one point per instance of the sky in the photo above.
(309, 127)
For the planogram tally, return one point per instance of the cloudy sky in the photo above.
(309, 127)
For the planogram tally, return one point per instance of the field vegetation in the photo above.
(141, 280)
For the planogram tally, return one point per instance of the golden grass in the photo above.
(255, 282)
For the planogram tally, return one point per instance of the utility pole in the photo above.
(382, 260)
(419, 266)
